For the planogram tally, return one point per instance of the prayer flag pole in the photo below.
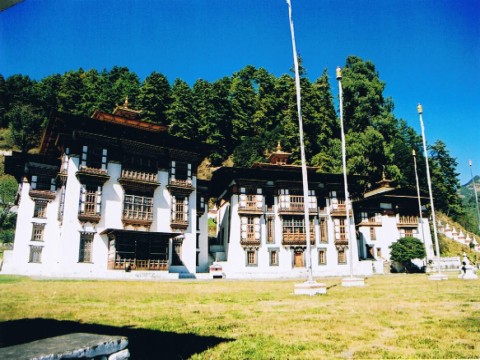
(310, 287)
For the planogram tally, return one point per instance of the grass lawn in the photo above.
(394, 316)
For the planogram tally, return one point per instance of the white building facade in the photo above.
(109, 197)
(261, 232)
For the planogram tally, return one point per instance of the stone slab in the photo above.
(310, 288)
(70, 346)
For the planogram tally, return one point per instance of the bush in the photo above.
(405, 250)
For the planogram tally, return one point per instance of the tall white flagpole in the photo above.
(302, 149)
(439, 276)
(344, 164)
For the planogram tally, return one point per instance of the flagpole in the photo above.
(302, 149)
(438, 276)
(344, 164)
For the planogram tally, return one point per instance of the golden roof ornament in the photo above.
(420, 108)
(339, 73)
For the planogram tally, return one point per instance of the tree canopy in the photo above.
(245, 115)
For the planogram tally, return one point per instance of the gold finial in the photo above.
(125, 104)
(279, 147)
(420, 109)
(339, 73)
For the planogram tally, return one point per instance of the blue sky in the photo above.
(425, 51)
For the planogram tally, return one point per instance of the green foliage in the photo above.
(8, 192)
(445, 182)
(24, 125)
(183, 122)
(155, 98)
(244, 115)
(406, 249)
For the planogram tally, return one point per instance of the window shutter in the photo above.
(185, 209)
(243, 227)
(104, 159)
(172, 170)
(243, 200)
(259, 200)
(83, 197)
(337, 228)
(256, 222)
(99, 200)
(84, 156)
(34, 182)
(174, 207)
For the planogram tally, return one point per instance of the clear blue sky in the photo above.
(426, 51)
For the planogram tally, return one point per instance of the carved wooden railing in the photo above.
(139, 176)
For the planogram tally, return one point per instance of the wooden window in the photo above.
(180, 209)
(323, 230)
(270, 229)
(373, 234)
(94, 156)
(180, 170)
(40, 182)
(35, 254)
(273, 255)
(86, 247)
(250, 228)
(135, 162)
(37, 232)
(251, 257)
(40, 210)
(293, 228)
(342, 256)
(340, 229)
(90, 199)
(322, 257)
(406, 232)
(137, 207)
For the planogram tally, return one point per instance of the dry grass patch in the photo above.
(401, 316)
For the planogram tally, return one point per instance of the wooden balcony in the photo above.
(339, 209)
(180, 186)
(137, 218)
(250, 240)
(42, 194)
(343, 241)
(91, 175)
(295, 205)
(251, 205)
(407, 221)
(179, 224)
(297, 239)
(91, 217)
(371, 221)
(134, 264)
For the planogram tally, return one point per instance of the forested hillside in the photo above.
(244, 115)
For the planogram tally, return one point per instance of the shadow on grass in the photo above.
(142, 343)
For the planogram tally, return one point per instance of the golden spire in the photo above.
(420, 108)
